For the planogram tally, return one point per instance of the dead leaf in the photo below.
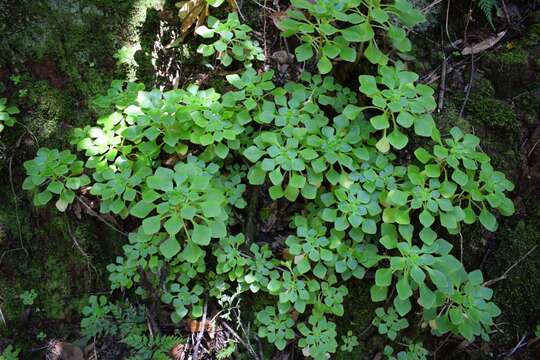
(483, 45)
(179, 352)
(191, 12)
(60, 350)
(233, 5)
(277, 17)
(195, 325)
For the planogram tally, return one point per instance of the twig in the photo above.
(469, 87)
(81, 250)
(15, 199)
(240, 340)
(522, 343)
(532, 149)
(442, 87)
(505, 274)
(201, 330)
(100, 218)
(433, 4)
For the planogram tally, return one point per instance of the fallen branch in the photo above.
(505, 274)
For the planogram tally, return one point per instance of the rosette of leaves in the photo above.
(323, 90)
(401, 104)
(186, 200)
(261, 269)
(277, 328)
(468, 169)
(283, 159)
(141, 252)
(182, 298)
(468, 311)
(6, 114)
(351, 206)
(251, 88)
(230, 259)
(319, 337)
(311, 244)
(54, 172)
(118, 189)
(412, 268)
(330, 30)
(234, 41)
(389, 323)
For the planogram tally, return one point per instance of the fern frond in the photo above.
(487, 8)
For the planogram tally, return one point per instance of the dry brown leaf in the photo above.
(483, 45)
(195, 325)
(60, 350)
(191, 12)
(233, 5)
(277, 17)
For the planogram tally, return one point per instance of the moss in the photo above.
(521, 289)
(491, 112)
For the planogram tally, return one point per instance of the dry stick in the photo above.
(81, 250)
(201, 330)
(442, 88)
(427, 8)
(469, 87)
(240, 340)
(505, 274)
(15, 199)
(100, 218)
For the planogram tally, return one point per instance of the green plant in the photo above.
(487, 7)
(388, 322)
(10, 353)
(275, 327)
(54, 172)
(234, 41)
(319, 337)
(413, 351)
(350, 341)
(126, 324)
(331, 29)
(6, 114)
(28, 297)
(172, 163)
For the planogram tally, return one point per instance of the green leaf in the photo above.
(142, 209)
(374, 55)
(330, 50)
(378, 293)
(397, 197)
(253, 153)
(383, 277)
(488, 220)
(383, 145)
(380, 122)
(324, 65)
(201, 234)
(42, 198)
(169, 247)
(402, 306)
(424, 125)
(151, 225)
(358, 33)
(274, 286)
(403, 288)
(256, 176)
(398, 139)
(173, 225)
(192, 252)
(303, 266)
(426, 219)
(303, 52)
(460, 177)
